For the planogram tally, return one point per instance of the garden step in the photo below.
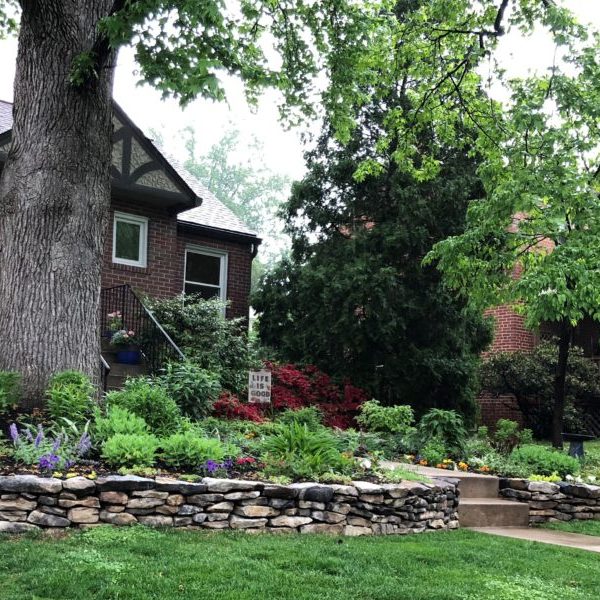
(472, 485)
(479, 486)
(488, 512)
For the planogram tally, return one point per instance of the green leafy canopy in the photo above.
(340, 55)
(534, 240)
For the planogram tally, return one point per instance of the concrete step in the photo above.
(492, 512)
(479, 486)
(115, 382)
(471, 485)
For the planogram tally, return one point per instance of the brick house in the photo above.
(167, 233)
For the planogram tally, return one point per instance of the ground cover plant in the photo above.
(138, 563)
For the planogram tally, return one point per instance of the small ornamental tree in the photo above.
(533, 241)
(295, 387)
(529, 377)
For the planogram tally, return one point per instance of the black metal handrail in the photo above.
(105, 370)
(154, 342)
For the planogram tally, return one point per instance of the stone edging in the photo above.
(29, 503)
(562, 501)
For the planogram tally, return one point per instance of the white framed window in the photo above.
(130, 240)
(205, 272)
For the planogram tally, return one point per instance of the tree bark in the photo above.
(560, 377)
(54, 198)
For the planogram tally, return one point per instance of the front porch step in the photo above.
(127, 370)
(115, 382)
(119, 372)
(492, 512)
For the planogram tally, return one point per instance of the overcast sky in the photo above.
(283, 150)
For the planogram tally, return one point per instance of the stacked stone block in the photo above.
(562, 501)
(362, 508)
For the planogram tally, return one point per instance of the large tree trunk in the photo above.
(560, 377)
(54, 198)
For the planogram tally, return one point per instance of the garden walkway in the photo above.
(485, 512)
(545, 536)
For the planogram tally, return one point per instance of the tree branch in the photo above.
(101, 50)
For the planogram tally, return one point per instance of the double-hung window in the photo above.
(205, 273)
(130, 240)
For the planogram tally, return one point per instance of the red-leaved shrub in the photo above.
(295, 387)
(228, 406)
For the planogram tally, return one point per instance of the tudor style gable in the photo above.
(139, 171)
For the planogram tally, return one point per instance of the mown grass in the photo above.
(576, 526)
(140, 563)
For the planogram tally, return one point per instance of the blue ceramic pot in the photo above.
(129, 357)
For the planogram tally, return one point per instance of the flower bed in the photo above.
(29, 503)
(562, 501)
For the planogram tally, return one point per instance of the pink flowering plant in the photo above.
(124, 337)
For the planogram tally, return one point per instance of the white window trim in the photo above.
(143, 249)
(222, 274)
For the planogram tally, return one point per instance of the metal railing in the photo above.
(156, 346)
(104, 370)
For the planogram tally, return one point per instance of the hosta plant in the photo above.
(187, 450)
(130, 450)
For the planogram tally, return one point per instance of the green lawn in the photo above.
(584, 527)
(139, 563)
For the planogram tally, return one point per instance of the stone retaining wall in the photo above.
(562, 501)
(29, 503)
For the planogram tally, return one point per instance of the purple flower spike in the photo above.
(14, 433)
(28, 435)
(39, 438)
(84, 444)
(56, 444)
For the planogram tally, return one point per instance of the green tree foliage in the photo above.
(529, 377)
(354, 297)
(359, 48)
(235, 172)
(533, 240)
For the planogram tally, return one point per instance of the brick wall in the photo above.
(160, 276)
(510, 332)
(494, 407)
(163, 275)
(510, 335)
